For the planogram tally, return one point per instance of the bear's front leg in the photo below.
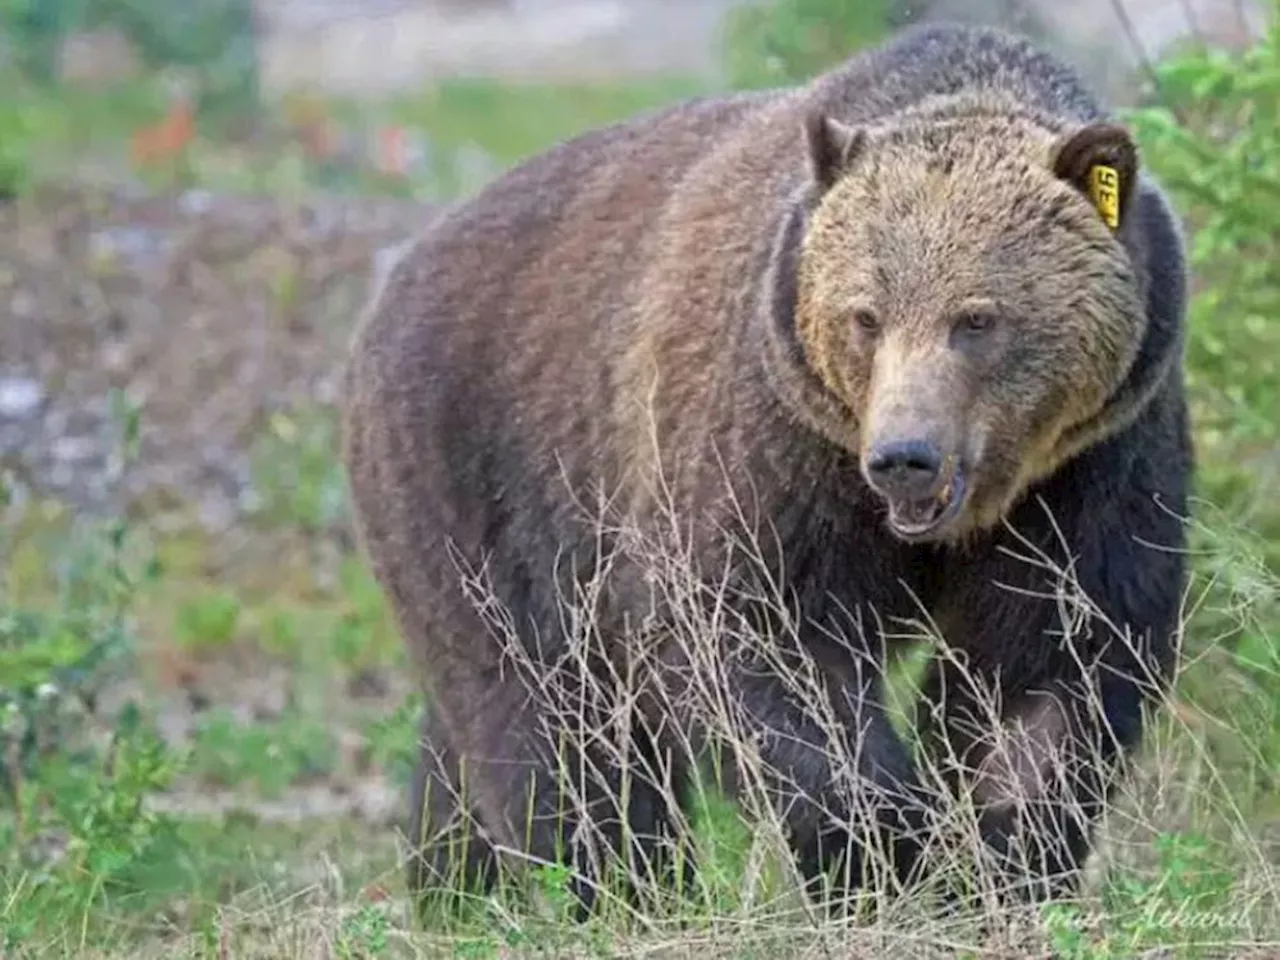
(1058, 635)
(1038, 765)
(834, 772)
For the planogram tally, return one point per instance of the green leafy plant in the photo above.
(1214, 140)
(209, 620)
(364, 934)
(297, 473)
(73, 822)
(270, 755)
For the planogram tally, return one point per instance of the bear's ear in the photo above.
(832, 147)
(1101, 161)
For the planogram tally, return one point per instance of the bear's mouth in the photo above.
(917, 519)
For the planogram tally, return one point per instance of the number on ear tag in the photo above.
(1104, 188)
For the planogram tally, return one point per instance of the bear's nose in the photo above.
(905, 469)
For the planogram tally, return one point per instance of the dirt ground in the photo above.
(209, 312)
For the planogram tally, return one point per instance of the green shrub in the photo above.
(213, 38)
(774, 42)
(33, 30)
(1214, 141)
(73, 825)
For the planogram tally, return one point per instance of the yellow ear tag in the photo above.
(1104, 189)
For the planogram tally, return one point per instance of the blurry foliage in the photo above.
(269, 755)
(73, 826)
(32, 31)
(54, 661)
(297, 476)
(16, 136)
(212, 38)
(776, 42)
(1214, 142)
(207, 620)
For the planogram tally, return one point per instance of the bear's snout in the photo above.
(923, 486)
(905, 469)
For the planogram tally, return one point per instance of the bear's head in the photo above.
(966, 295)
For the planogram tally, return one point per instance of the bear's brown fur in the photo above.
(881, 315)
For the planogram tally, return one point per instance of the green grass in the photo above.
(513, 121)
(297, 478)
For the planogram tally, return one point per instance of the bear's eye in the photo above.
(867, 321)
(975, 322)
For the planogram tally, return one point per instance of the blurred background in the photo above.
(203, 708)
(331, 94)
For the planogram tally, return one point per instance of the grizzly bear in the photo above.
(916, 325)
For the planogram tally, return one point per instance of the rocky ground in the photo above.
(210, 313)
